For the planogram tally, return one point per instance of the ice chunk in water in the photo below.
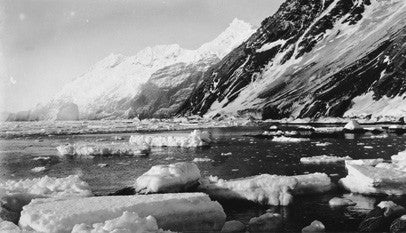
(196, 138)
(289, 139)
(82, 150)
(15, 194)
(168, 178)
(323, 159)
(369, 180)
(176, 212)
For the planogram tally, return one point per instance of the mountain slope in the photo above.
(313, 58)
(109, 88)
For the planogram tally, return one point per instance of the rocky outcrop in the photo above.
(310, 59)
(168, 89)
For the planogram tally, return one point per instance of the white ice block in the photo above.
(196, 138)
(168, 178)
(177, 212)
(374, 180)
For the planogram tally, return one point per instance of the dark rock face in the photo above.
(168, 89)
(310, 59)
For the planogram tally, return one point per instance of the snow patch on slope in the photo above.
(365, 105)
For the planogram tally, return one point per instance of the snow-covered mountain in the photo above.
(109, 88)
(314, 58)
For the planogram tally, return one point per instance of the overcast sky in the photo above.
(46, 43)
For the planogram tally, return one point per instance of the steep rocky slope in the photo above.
(314, 58)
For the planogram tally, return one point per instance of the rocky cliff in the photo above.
(313, 58)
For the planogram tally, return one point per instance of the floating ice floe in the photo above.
(366, 162)
(15, 194)
(262, 189)
(374, 180)
(200, 160)
(196, 138)
(101, 149)
(363, 203)
(38, 169)
(312, 184)
(289, 139)
(336, 201)
(168, 178)
(176, 212)
(266, 189)
(400, 157)
(323, 144)
(323, 159)
(129, 222)
(315, 226)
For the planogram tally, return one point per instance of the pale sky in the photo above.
(44, 44)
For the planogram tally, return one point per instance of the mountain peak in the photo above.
(237, 24)
(237, 31)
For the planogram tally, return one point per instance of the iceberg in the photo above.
(323, 159)
(175, 212)
(263, 189)
(374, 180)
(128, 222)
(353, 125)
(196, 138)
(289, 139)
(168, 178)
(266, 189)
(82, 150)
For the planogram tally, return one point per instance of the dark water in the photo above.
(249, 156)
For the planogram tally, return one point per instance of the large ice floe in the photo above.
(91, 150)
(15, 194)
(312, 184)
(380, 178)
(196, 138)
(129, 222)
(168, 178)
(266, 189)
(324, 159)
(176, 212)
(289, 139)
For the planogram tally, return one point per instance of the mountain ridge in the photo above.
(310, 59)
(108, 88)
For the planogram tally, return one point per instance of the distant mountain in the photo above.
(156, 81)
(314, 58)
